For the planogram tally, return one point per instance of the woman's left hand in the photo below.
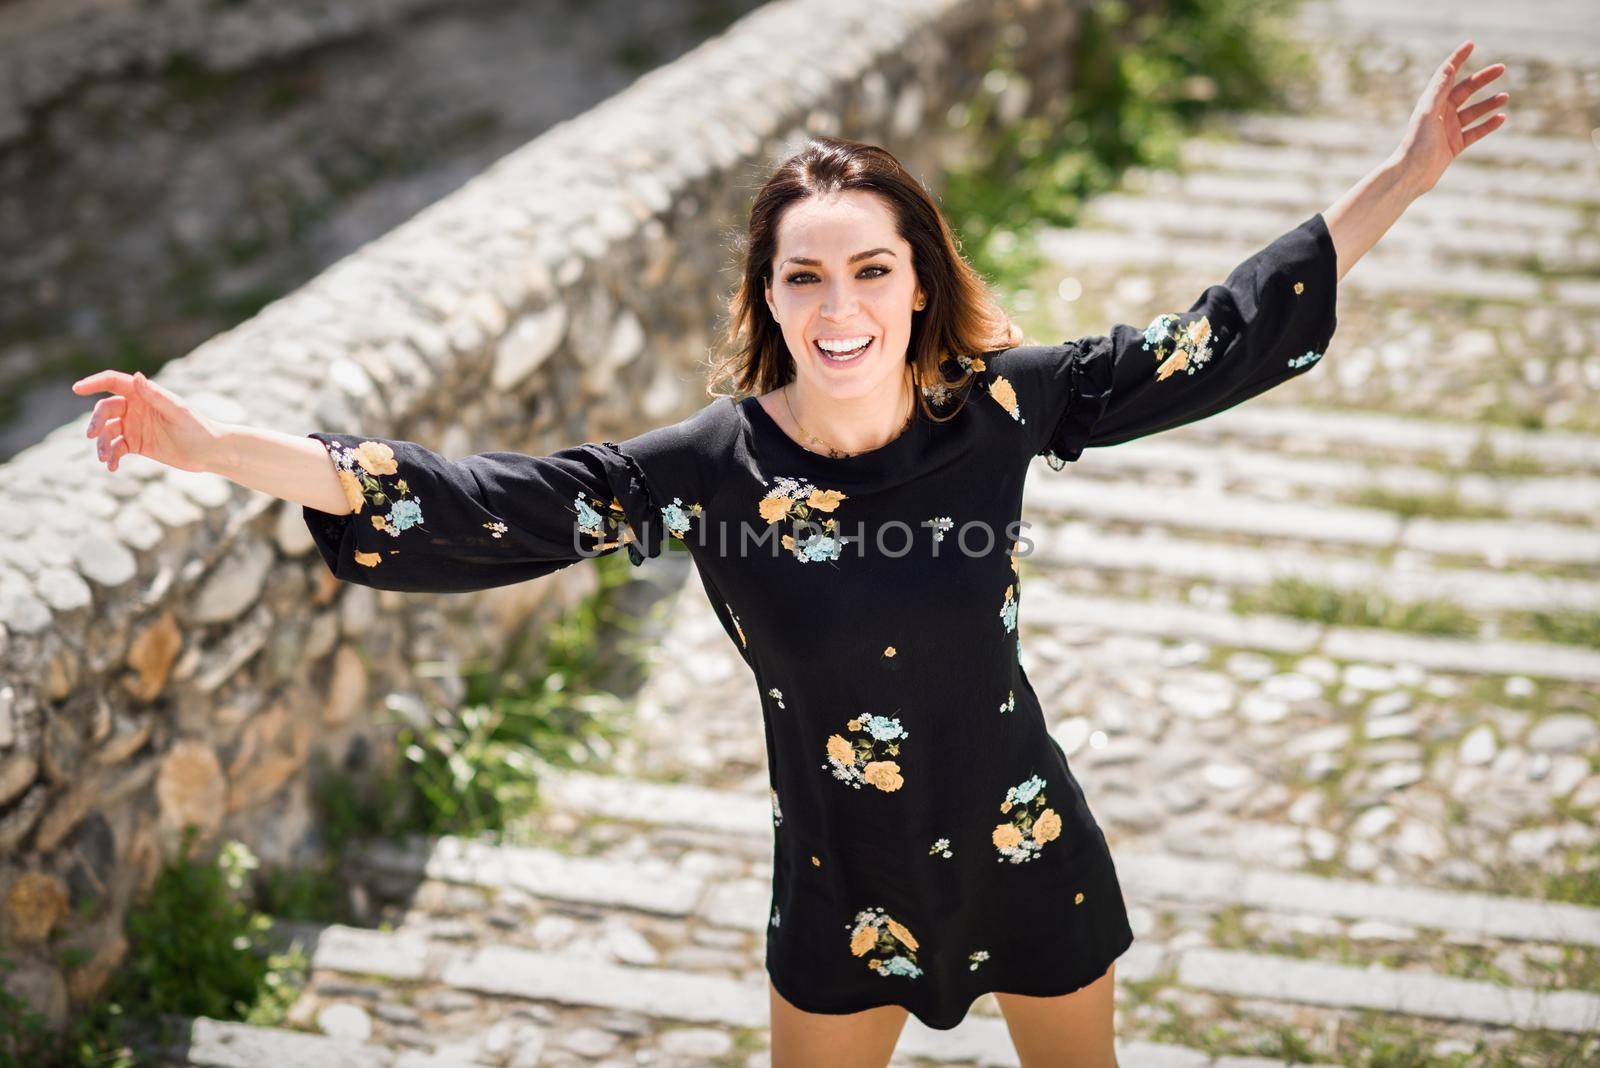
(1437, 132)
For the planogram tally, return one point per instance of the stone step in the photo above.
(1296, 428)
(1160, 216)
(1522, 182)
(1494, 541)
(208, 1043)
(226, 1044)
(1145, 877)
(1244, 471)
(648, 886)
(1379, 272)
(1441, 209)
(1544, 31)
(1050, 606)
(516, 974)
(1344, 986)
(1082, 544)
(1330, 133)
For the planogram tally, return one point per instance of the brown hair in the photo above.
(961, 317)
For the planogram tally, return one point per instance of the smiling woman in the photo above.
(934, 844)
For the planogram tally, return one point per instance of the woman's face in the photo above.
(823, 288)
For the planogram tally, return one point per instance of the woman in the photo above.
(854, 520)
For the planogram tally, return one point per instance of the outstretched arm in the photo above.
(142, 418)
(1437, 132)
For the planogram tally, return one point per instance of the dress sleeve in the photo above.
(1269, 321)
(422, 522)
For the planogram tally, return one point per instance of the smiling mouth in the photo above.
(842, 357)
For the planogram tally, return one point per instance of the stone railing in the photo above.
(172, 650)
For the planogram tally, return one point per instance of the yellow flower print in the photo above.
(884, 774)
(1299, 287)
(377, 458)
(971, 363)
(1191, 346)
(815, 863)
(793, 498)
(1079, 899)
(1047, 828)
(888, 651)
(898, 929)
(1031, 825)
(358, 469)
(352, 491)
(740, 630)
(774, 508)
(1006, 396)
(860, 762)
(874, 931)
(824, 500)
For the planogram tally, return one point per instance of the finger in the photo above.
(1467, 86)
(154, 392)
(1487, 126)
(108, 433)
(115, 381)
(106, 408)
(117, 450)
(1466, 115)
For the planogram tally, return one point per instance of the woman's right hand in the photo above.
(144, 418)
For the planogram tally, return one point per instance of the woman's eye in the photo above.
(794, 278)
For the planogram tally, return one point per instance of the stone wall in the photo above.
(173, 652)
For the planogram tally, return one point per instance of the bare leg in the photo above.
(850, 1040)
(1073, 1030)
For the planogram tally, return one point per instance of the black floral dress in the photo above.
(931, 841)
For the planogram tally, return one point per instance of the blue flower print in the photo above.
(1024, 792)
(404, 515)
(676, 517)
(818, 547)
(884, 728)
(1301, 361)
(893, 949)
(1008, 610)
(588, 519)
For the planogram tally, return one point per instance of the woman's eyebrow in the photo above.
(858, 256)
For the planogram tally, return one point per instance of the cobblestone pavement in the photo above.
(1334, 834)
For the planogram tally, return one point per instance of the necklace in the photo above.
(839, 454)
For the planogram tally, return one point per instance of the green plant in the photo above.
(195, 948)
(550, 695)
(1143, 76)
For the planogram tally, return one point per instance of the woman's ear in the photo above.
(771, 308)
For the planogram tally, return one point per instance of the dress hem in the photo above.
(1123, 945)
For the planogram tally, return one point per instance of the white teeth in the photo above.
(847, 345)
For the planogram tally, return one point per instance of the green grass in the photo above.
(1356, 608)
(1410, 505)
